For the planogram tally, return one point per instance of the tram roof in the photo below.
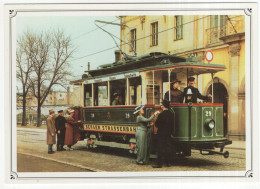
(154, 62)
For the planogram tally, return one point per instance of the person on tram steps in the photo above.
(51, 134)
(176, 95)
(164, 123)
(60, 122)
(192, 93)
(141, 135)
(69, 134)
(116, 99)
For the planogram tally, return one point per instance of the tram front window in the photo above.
(118, 87)
(88, 95)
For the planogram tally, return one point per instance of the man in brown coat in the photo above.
(51, 134)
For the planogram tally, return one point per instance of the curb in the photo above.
(63, 162)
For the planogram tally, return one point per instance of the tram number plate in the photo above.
(208, 113)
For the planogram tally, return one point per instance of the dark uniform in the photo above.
(60, 126)
(195, 94)
(164, 123)
(115, 103)
(176, 96)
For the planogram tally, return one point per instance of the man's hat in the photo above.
(166, 103)
(137, 109)
(175, 81)
(51, 111)
(115, 95)
(191, 79)
(60, 111)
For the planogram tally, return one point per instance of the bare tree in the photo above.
(24, 68)
(50, 55)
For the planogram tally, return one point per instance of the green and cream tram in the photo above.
(144, 80)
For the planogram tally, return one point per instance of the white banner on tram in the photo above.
(114, 77)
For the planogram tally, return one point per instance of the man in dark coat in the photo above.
(51, 135)
(192, 93)
(176, 95)
(60, 129)
(164, 123)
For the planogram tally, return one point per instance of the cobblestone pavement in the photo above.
(33, 143)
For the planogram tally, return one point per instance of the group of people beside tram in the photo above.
(64, 128)
(164, 123)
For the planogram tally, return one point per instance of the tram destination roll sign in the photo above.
(114, 77)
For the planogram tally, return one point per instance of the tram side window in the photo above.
(118, 87)
(153, 99)
(100, 95)
(88, 95)
(135, 90)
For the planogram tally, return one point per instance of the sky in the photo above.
(84, 34)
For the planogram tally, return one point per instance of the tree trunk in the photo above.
(39, 121)
(24, 111)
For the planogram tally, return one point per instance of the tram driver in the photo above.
(176, 95)
(116, 99)
(192, 93)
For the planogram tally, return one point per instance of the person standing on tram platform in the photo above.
(192, 94)
(141, 134)
(176, 95)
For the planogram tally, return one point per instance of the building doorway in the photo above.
(221, 96)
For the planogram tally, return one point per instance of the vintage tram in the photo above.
(144, 80)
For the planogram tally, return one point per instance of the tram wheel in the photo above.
(226, 154)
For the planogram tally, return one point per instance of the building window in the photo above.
(133, 40)
(154, 34)
(217, 27)
(178, 27)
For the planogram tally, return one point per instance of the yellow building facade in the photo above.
(193, 35)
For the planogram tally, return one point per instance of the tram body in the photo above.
(196, 126)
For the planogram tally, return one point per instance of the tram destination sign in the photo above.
(111, 128)
(114, 77)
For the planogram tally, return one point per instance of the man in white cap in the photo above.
(141, 135)
(192, 93)
(51, 134)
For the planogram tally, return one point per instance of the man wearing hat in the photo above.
(192, 93)
(51, 135)
(116, 100)
(60, 129)
(176, 95)
(164, 123)
(141, 135)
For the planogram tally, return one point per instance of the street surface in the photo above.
(33, 157)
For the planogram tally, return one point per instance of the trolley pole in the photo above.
(212, 91)
(153, 87)
(108, 91)
(169, 79)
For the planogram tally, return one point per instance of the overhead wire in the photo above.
(93, 30)
(140, 38)
(137, 39)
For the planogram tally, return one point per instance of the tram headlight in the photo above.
(210, 123)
